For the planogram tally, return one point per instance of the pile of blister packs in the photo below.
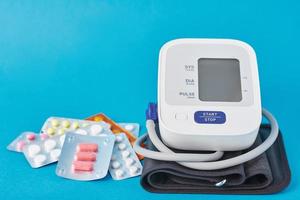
(84, 149)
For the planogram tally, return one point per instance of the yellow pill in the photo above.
(54, 122)
(97, 118)
(66, 124)
(84, 125)
(61, 131)
(50, 131)
(75, 125)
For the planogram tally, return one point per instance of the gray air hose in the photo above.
(202, 161)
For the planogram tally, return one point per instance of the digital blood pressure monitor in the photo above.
(208, 94)
(208, 99)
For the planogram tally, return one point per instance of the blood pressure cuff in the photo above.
(269, 173)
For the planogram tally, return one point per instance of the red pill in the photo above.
(87, 147)
(20, 145)
(43, 136)
(85, 156)
(30, 136)
(84, 166)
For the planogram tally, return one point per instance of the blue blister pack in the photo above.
(24, 139)
(134, 128)
(43, 152)
(124, 161)
(60, 125)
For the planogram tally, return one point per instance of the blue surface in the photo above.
(77, 58)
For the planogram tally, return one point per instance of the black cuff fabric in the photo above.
(266, 174)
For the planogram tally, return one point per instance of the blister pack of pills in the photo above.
(59, 126)
(133, 128)
(115, 128)
(43, 152)
(24, 139)
(85, 157)
(124, 161)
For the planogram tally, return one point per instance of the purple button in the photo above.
(210, 117)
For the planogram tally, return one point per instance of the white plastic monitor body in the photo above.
(208, 94)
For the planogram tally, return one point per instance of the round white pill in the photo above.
(49, 145)
(84, 125)
(113, 158)
(119, 138)
(125, 154)
(122, 146)
(62, 139)
(61, 131)
(119, 173)
(33, 150)
(96, 129)
(129, 127)
(133, 170)
(129, 162)
(39, 159)
(115, 164)
(55, 153)
(81, 132)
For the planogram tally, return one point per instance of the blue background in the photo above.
(77, 58)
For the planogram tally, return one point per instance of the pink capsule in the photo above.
(83, 166)
(87, 147)
(85, 156)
